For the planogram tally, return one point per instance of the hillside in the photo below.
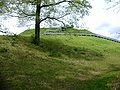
(30, 32)
(61, 62)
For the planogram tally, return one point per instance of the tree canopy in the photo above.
(48, 11)
(114, 4)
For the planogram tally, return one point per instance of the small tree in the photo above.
(47, 11)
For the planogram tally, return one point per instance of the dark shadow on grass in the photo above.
(3, 83)
(57, 48)
(97, 83)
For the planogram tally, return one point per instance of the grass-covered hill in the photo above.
(30, 32)
(61, 62)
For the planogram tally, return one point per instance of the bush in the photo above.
(66, 27)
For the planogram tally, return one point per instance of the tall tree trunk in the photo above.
(37, 23)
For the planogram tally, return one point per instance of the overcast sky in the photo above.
(100, 20)
(103, 20)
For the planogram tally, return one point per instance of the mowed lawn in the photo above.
(61, 62)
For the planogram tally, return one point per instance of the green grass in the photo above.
(43, 30)
(61, 62)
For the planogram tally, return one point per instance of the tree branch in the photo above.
(26, 14)
(53, 18)
(53, 4)
(57, 20)
(48, 17)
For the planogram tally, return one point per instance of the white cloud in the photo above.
(102, 20)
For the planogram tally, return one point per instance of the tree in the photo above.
(114, 4)
(47, 11)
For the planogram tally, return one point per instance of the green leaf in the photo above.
(1, 3)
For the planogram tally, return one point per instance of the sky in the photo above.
(100, 20)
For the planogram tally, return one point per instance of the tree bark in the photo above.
(37, 23)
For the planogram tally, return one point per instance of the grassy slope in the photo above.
(59, 63)
(69, 30)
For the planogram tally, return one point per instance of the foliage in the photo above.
(114, 4)
(1, 3)
(46, 11)
(50, 9)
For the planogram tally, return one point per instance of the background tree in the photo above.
(47, 11)
(114, 4)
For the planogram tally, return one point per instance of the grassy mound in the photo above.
(61, 62)
(30, 32)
